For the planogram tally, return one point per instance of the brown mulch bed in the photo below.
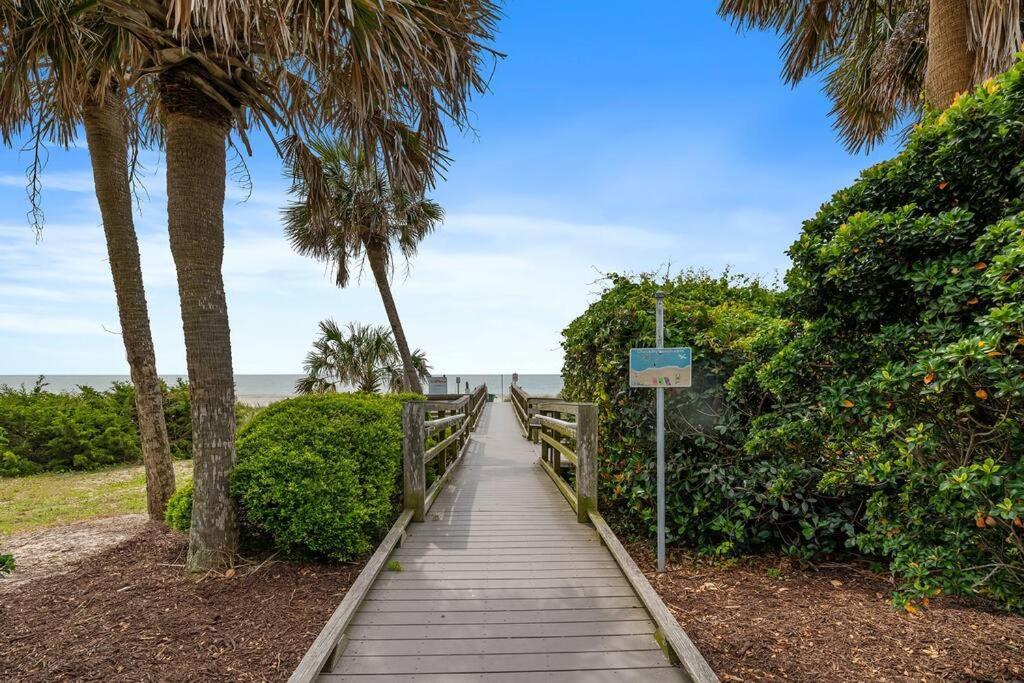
(131, 613)
(832, 623)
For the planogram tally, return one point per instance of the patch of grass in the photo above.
(6, 563)
(773, 573)
(394, 566)
(42, 500)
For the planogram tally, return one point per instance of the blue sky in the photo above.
(617, 137)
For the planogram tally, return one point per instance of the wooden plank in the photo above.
(496, 555)
(551, 630)
(411, 574)
(433, 425)
(553, 423)
(439, 447)
(497, 646)
(386, 582)
(313, 661)
(551, 604)
(564, 450)
(671, 633)
(562, 407)
(482, 593)
(455, 404)
(477, 567)
(507, 617)
(666, 674)
(563, 488)
(501, 663)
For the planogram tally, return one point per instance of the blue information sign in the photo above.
(666, 368)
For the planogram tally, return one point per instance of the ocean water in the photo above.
(262, 389)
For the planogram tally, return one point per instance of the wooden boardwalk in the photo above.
(501, 583)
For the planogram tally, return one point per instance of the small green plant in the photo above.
(6, 563)
(394, 566)
(773, 573)
(178, 514)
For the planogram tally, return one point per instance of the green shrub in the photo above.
(178, 514)
(320, 474)
(6, 563)
(886, 417)
(721, 498)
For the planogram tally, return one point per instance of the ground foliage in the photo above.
(878, 409)
(44, 431)
(317, 475)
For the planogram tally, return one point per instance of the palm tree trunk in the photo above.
(195, 130)
(108, 149)
(379, 265)
(950, 68)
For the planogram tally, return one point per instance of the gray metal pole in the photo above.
(659, 298)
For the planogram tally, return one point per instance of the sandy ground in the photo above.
(51, 551)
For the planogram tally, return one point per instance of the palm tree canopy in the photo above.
(873, 53)
(385, 73)
(360, 356)
(55, 60)
(364, 210)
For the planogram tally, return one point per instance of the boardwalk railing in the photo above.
(435, 435)
(435, 430)
(568, 436)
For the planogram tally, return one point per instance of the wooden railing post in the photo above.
(586, 466)
(415, 475)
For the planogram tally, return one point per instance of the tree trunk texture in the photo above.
(950, 67)
(196, 130)
(379, 266)
(108, 150)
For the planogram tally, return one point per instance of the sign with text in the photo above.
(665, 368)
(437, 385)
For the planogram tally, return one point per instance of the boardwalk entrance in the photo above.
(501, 582)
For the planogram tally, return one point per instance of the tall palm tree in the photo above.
(56, 71)
(360, 356)
(878, 56)
(293, 66)
(369, 217)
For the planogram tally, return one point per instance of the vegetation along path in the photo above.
(502, 582)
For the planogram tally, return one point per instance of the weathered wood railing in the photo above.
(435, 430)
(568, 435)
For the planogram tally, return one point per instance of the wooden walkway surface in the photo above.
(501, 583)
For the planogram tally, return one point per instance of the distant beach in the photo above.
(261, 390)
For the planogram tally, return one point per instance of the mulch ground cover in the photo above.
(766, 619)
(131, 613)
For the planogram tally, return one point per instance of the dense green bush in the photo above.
(721, 498)
(320, 474)
(178, 513)
(42, 430)
(887, 417)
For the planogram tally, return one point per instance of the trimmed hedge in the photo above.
(317, 475)
(885, 419)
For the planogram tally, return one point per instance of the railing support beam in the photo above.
(586, 462)
(414, 471)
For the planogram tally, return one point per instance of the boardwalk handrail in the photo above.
(435, 429)
(452, 419)
(567, 434)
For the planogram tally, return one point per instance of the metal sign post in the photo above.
(660, 402)
(660, 368)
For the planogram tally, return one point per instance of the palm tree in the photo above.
(368, 216)
(57, 71)
(878, 56)
(374, 70)
(361, 356)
